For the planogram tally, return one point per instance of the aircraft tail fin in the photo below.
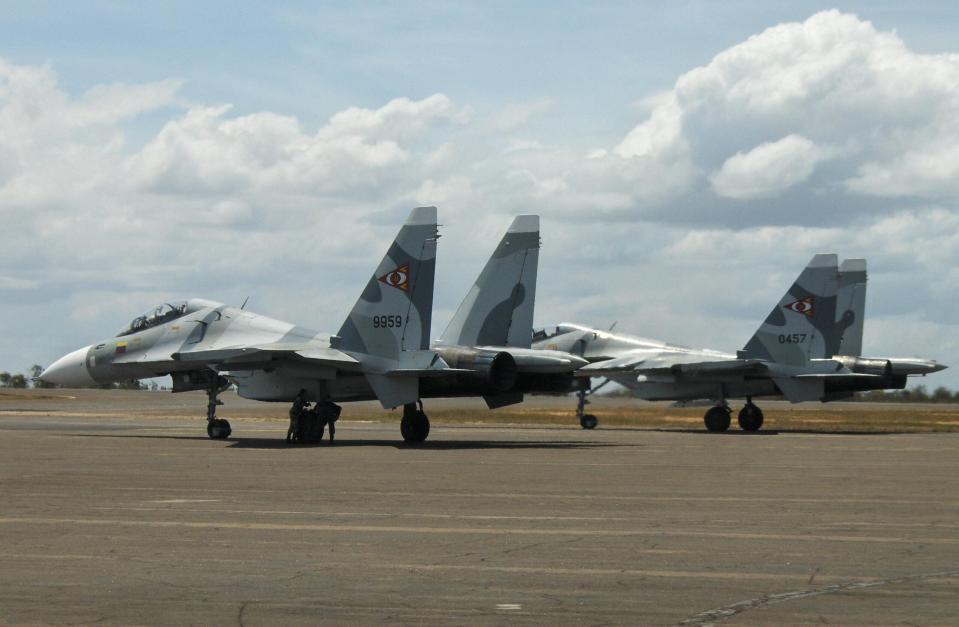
(802, 325)
(394, 312)
(851, 307)
(498, 309)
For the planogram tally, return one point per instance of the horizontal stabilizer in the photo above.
(394, 391)
(502, 400)
(798, 390)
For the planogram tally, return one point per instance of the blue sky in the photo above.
(687, 158)
(313, 59)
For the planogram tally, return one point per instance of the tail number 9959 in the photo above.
(387, 322)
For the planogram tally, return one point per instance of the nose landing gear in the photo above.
(216, 428)
(586, 421)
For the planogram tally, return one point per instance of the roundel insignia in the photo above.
(803, 306)
(398, 278)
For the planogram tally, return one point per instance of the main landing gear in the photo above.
(415, 426)
(719, 417)
(750, 416)
(216, 428)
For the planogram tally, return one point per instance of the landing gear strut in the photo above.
(586, 421)
(717, 419)
(216, 428)
(750, 416)
(415, 426)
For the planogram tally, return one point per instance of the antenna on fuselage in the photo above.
(245, 301)
(613, 326)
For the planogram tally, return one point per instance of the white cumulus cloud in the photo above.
(767, 169)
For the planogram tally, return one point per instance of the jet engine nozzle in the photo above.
(897, 366)
(860, 365)
(496, 368)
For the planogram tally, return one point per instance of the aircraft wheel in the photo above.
(415, 427)
(717, 419)
(218, 429)
(750, 417)
(588, 421)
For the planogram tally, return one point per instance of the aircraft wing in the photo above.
(252, 356)
(701, 370)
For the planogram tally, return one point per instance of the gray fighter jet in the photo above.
(381, 351)
(808, 349)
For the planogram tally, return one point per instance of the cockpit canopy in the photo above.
(547, 332)
(166, 312)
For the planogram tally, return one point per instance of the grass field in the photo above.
(536, 410)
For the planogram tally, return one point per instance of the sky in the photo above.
(687, 159)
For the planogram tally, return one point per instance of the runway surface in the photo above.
(143, 520)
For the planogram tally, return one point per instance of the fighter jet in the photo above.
(381, 351)
(489, 338)
(808, 349)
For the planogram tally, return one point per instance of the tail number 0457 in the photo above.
(792, 338)
(387, 322)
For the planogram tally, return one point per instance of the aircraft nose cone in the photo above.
(936, 366)
(70, 370)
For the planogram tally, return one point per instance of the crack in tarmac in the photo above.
(722, 613)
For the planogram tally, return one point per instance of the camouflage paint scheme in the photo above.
(382, 350)
(498, 309)
(794, 353)
(491, 331)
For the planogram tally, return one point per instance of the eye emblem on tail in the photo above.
(398, 278)
(803, 306)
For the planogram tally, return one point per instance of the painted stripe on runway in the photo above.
(938, 500)
(487, 568)
(468, 530)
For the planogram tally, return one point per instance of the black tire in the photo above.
(415, 428)
(311, 428)
(218, 429)
(750, 417)
(588, 421)
(717, 419)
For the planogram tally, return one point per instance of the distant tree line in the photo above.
(918, 394)
(21, 382)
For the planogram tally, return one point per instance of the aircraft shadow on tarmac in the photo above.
(436, 445)
(769, 432)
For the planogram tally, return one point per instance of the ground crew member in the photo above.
(332, 415)
(299, 405)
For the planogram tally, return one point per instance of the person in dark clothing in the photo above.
(299, 406)
(332, 413)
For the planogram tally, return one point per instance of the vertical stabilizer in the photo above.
(393, 313)
(851, 307)
(802, 326)
(498, 309)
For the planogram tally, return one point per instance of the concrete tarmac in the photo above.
(143, 520)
